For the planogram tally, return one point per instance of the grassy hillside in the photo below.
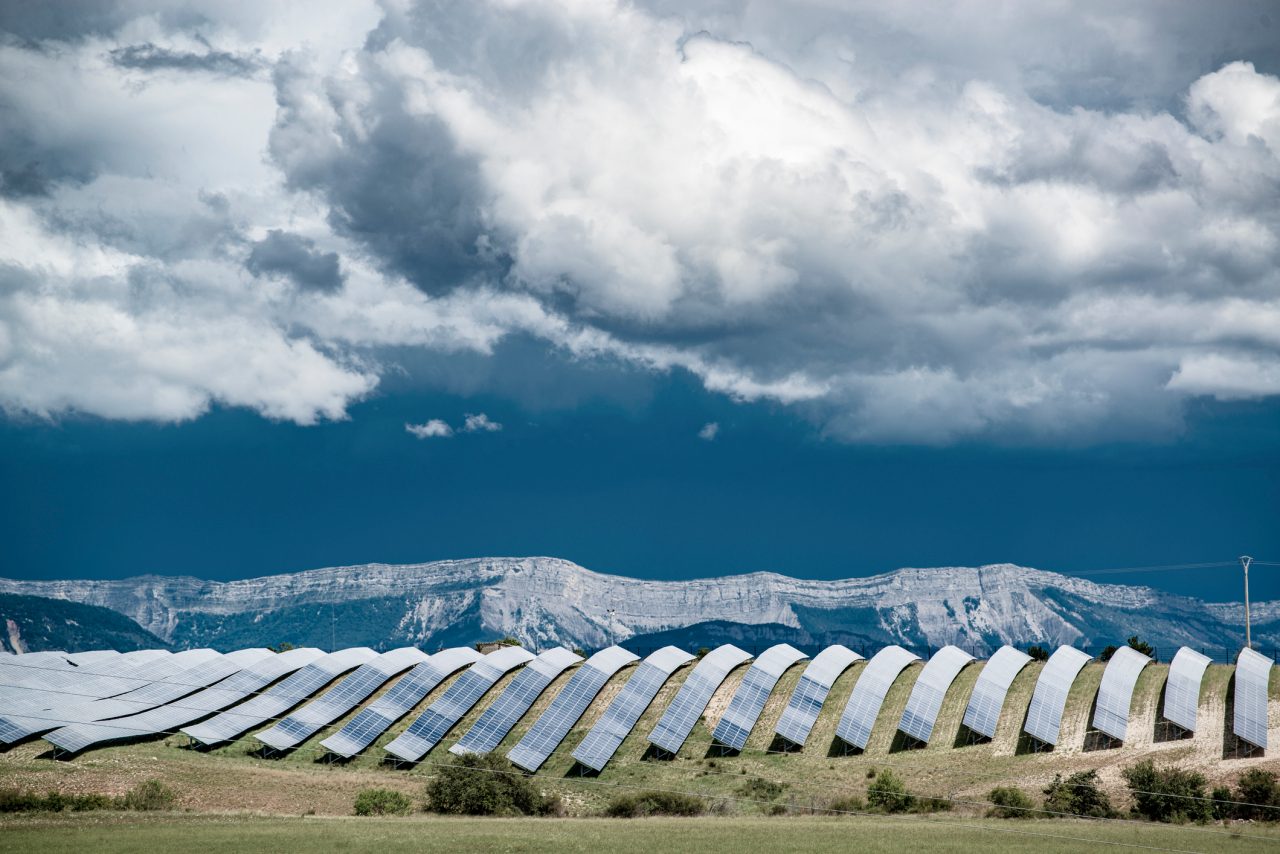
(35, 623)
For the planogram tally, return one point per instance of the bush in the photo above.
(1038, 653)
(1222, 808)
(1167, 794)
(1256, 790)
(484, 784)
(888, 793)
(850, 804)
(1108, 652)
(1010, 802)
(758, 789)
(1078, 795)
(149, 795)
(382, 802)
(654, 803)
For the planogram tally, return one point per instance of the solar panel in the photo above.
(82, 658)
(40, 687)
(1182, 691)
(869, 692)
(692, 698)
(604, 739)
(554, 724)
(815, 684)
(753, 692)
(921, 713)
(985, 703)
(1044, 716)
(279, 698)
(506, 711)
(1115, 694)
(169, 717)
(437, 719)
(1253, 680)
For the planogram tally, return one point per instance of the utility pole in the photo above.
(611, 612)
(1245, 560)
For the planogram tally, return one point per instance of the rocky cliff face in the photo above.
(547, 600)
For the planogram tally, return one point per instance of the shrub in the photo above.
(149, 795)
(1257, 790)
(1167, 794)
(759, 789)
(382, 802)
(925, 804)
(643, 804)
(1078, 795)
(1038, 653)
(852, 803)
(1142, 646)
(484, 784)
(1222, 808)
(1108, 651)
(20, 800)
(1010, 802)
(888, 793)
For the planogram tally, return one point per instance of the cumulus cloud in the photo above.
(295, 257)
(435, 428)
(709, 431)
(480, 423)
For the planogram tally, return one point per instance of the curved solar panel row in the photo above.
(46, 688)
(376, 718)
(982, 715)
(753, 692)
(604, 739)
(692, 698)
(869, 692)
(568, 706)
(438, 718)
(1182, 691)
(300, 725)
(1253, 679)
(1115, 694)
(815, 684)
(921, 713)
(280, 698)
(506, 711)
(1044, 716)
(170, 717)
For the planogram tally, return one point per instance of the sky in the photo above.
(670, 290)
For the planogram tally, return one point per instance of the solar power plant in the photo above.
(921, 713)
(305, 722)
(1044, 717)
(815, 684)
(1182, 691)
(507, 710)
(39, 686)
(1115, 694)
(982, 715)
(869, 692)
(437, 719)
(692, 698)
(279, 698)
(554, 724)
(375, 718)
(168, 718)
(1253, 678)
(604, 739)
(753, 692)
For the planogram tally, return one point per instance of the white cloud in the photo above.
(431, 429)
(480, 423)
(709, 431)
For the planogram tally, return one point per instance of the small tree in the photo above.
(1078, 795)
(1038, 653)
(1258, 794)
(485, 784)
(382, 802)
(1108, 652)
(1167, 794)
(888, 793)
(149, 795)
(1142, 646)
(1010, 802)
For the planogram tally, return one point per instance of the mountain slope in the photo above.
(34, 623)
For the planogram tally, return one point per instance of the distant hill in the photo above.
(34, 623)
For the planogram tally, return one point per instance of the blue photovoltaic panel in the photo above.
(82, 658)
(985, 703)
(280, 698)
(753, 692)
(506, 711)
(300, 725)
(692, 698)
(1253, 680)
(41, 688)
(554, 724)
(1115, 694)
(604, 739)
(377, 717)
(815, 684)
(1182, 691)
(1044, 716)
(921, 713)
(438, 718)
(869, 692)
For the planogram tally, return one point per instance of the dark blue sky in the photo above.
(603, 466)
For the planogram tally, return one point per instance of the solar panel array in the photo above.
(869, 692)
(1182, 691)
(815, 684)
(921, 713)
(982, 715)
(617, 722)
(1044, 717)
(1115, 694)
(377, 717)
(40, 682)
(692, 698)
(438, 718)
(506, 711)
(1253, 680)
(753, 692)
